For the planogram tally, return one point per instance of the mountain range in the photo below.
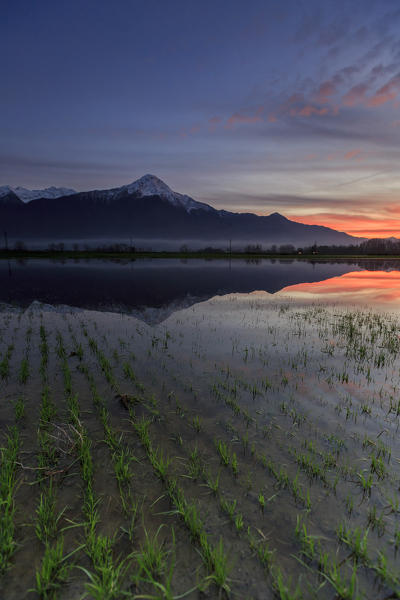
(146, 209)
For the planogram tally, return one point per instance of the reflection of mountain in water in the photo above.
(154, 289)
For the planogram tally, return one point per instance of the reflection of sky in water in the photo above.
(376, 288)
(155, 289)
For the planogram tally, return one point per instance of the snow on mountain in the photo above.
(27, 195)
(4, 190)
(150, 185)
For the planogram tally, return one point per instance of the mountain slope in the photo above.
(148, 209)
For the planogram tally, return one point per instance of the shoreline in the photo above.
(92, 254)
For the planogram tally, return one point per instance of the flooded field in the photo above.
(200, 430)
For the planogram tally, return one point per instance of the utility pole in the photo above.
(6, 240)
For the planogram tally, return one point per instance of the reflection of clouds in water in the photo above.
(372, 287)
(153, 290)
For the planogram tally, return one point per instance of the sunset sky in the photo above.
(261, 106)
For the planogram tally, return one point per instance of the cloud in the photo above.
(354, 223)
(352, 154)
(325, 91)
(291, 203)
(297, 106)
(356, 95)
(357, 215)
(213, 123)
(238, 117)
(308, 111)
(386, 93)
(330, 96)
(45, 163)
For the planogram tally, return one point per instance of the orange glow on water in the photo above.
(357, 287)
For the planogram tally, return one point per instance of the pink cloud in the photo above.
(352, 154)
(308, 111)
(324, 92)
(356, 95)
(380, 99)
(241, 118)
(298, 105)
(386, 93)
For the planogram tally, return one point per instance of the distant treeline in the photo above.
(369, 247)
(372, 246)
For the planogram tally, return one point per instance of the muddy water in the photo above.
(289, 401)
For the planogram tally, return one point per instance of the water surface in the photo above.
(156, 288)
(271, 389)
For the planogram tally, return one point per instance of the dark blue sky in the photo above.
(258, 105)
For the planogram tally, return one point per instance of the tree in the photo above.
(286, 249)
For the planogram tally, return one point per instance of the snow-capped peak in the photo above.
(150, 185)
(27, 195)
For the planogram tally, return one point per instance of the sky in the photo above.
(252, 106)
